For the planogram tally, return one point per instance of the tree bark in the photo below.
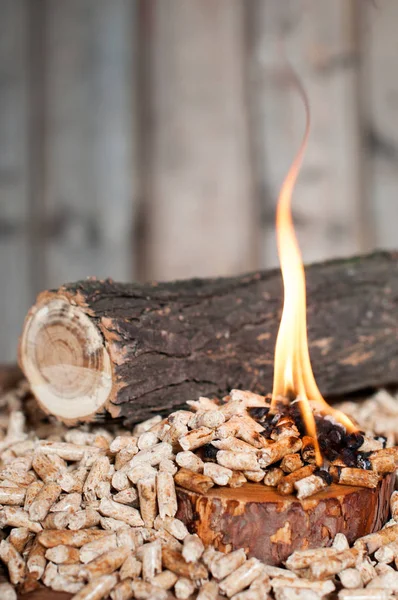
(270, 526)
(136, 350)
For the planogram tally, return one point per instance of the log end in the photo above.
(270, 526)
(63, 356)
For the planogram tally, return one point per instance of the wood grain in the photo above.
(271, 526)
(198, 190)
(379, 91)
(318, 39)
(16, 293)
(89, 141)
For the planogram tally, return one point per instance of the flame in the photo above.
(293, 376)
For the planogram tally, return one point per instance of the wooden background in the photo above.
(148, 138)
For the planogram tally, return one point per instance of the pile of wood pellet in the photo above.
(92, 510)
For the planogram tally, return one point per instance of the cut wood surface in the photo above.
(270, 526)
(136, 350)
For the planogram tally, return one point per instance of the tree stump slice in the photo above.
(270, 526)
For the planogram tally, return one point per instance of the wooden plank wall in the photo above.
(149, 138)
(15, 295)
(199, 184)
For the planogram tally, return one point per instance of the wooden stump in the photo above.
(270, 526)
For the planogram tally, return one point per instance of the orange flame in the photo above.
(293, 376)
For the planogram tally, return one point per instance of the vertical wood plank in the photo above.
(198, 189)
(380, 91)
(89, 189)
(15, 294)
(320, 40)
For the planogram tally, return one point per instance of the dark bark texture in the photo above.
(171, 342)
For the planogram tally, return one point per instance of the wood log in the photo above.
(271, 526)
(135, 350)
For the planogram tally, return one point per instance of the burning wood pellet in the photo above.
(276, 451)
(284, 427)
(382, 463)
(273, 476)
(291, 463)
(350, 476)
(286, 484)
(196, 438)
(233, 443)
